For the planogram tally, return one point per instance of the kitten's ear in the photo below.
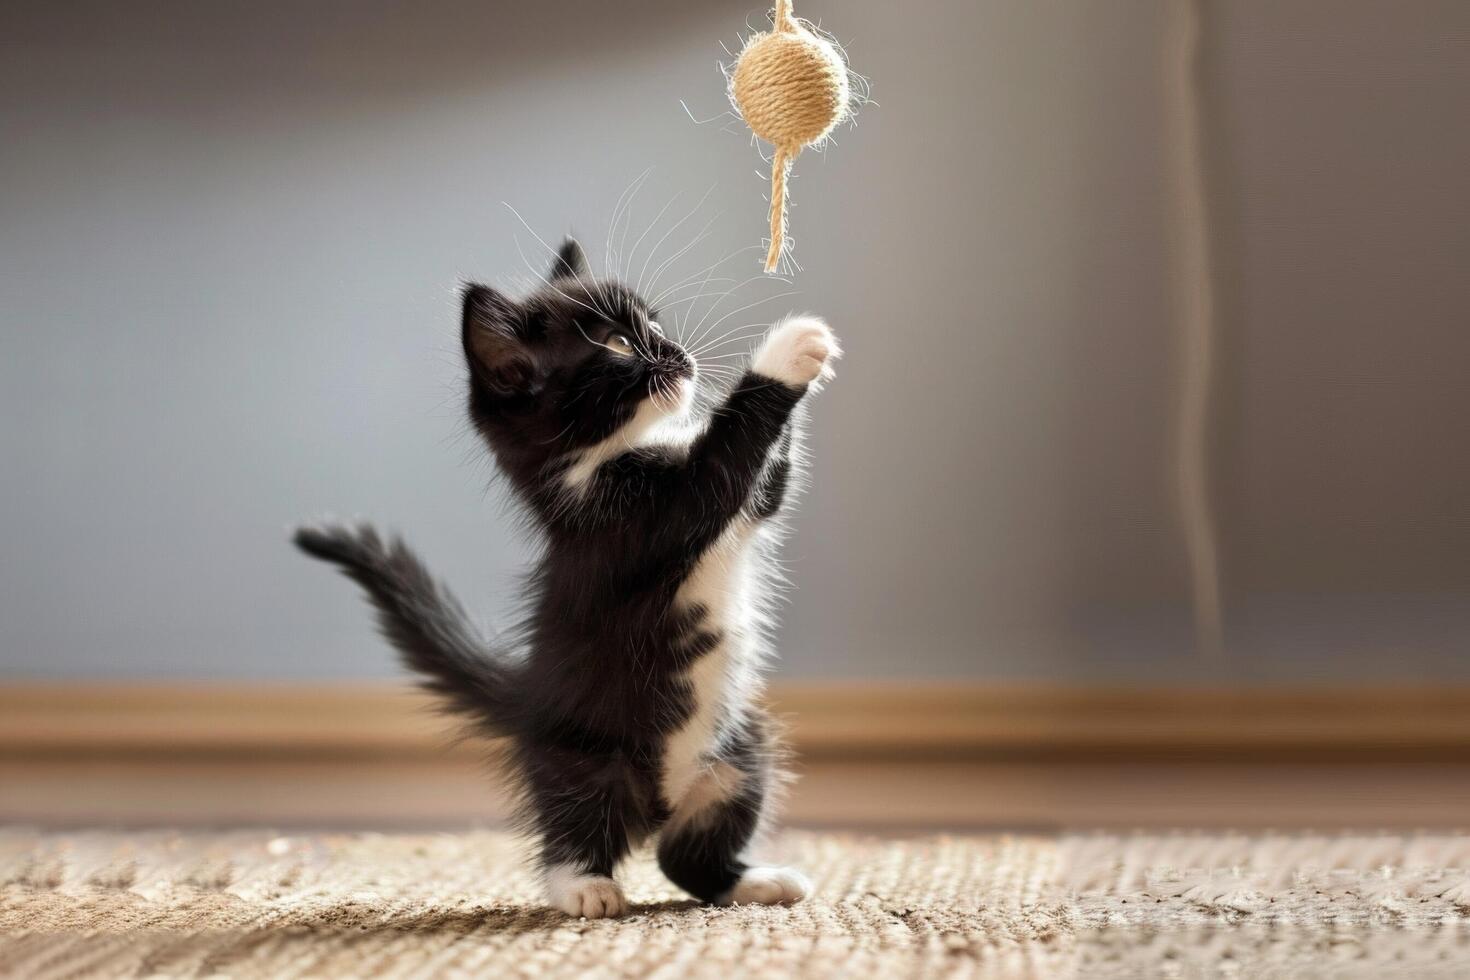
(570, 262)
(498, 354)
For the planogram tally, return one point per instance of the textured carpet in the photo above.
(260, 905)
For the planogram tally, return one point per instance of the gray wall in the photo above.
(230, 236)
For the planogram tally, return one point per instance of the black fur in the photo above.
(592, 685)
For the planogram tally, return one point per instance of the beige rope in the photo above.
(780, 168)
(783, 15)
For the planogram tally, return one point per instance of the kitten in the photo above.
(630, 700)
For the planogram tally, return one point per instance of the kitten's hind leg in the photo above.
(701, 848)
(586, 819)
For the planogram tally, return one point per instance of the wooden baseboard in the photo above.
(827, 721)
(870, 756)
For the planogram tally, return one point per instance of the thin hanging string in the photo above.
(780, 170)
(780, 164)
(1195, 308)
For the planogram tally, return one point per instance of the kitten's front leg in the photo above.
(770, 488)
(727, 460)
(800, 348)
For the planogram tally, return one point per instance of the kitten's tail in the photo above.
(421, 619)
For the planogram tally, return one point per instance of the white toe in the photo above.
(768, 886)
(585, 896)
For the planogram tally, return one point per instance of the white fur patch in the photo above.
(711, 787)
(644, 428)
(768, 886)
(799, 350)
(584, 895)
(727, 676)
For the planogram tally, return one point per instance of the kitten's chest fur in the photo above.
(724, 587)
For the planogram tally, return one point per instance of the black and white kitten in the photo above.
(630, 698)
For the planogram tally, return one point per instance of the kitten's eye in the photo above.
(620, 343)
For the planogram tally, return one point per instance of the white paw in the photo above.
(587, 896)
(768, 886)
(797, 351)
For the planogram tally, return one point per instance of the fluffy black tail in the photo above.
(421, 619)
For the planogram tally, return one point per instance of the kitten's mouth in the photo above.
(672, 395)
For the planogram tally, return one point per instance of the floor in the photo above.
(269, 866)
(260, 904)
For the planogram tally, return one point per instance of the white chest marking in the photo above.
(726, 676)
(654, 422)
(625, 439)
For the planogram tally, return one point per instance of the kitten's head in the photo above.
(571, 364)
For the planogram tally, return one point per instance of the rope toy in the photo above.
(790, 86)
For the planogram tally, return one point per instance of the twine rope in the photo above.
(780, 168)
(783, 15)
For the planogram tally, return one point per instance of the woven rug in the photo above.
(265, 905)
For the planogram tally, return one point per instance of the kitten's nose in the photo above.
(676, 361)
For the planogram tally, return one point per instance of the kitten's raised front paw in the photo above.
(768, 886)
(797, 351)
(588, 896)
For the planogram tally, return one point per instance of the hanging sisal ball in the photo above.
(790, 86)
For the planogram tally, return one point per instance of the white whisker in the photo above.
(548, 283)
(615, 269)
(623, 274)
(749, 306)
(700, 332)
(624, 199)
(673, 228)
(712, 267)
